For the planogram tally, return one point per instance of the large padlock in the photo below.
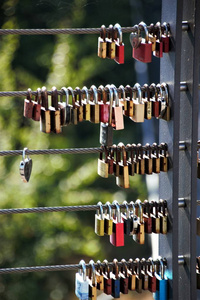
(45, 120)
(55, 112)
(144, 51)
(117, 112)
(81, 283)
(119, 45)
(28, 105)
(138, 105)
(102, 43)
(117, 236)
(162, 283)
(86, 104)
(37, 106)
(135, 37)
(94, 106)
(110, 43)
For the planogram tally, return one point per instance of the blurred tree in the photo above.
(62, 60)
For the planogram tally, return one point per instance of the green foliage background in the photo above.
(61, 60)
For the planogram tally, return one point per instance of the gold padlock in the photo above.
(94, 106)
(138, 105)
(108, 225)
(45, 120)
(102, 45)
(99, 221)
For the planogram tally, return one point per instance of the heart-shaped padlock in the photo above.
(135, 38)
(25, 167)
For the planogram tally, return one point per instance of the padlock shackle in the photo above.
(138, 271)
(153, 86)
(38, 97)
(65, 90)
(152, 265)
(137, 86)
(92, 273)
(45, 98)
(107, 268)
(29, 94)
(101, 210)
(144, 26)
(162, 267)
(164, 85)
(95, 93)
(118, 29)
(103, 32)
(70, 89)
(117, 211)
(127, 209)
(123, 92)
(85, 89)
(138, 201)
(155, 148)
(109, 209)
(24, 153)
(115, 268)
(159, 30)
(147, 90)
(54, 98)
(130, 91)
(104, 94)
(124, 159)
(78, 95)
(99, 267)
(110, 32)
(133, 205)
(116, 96)
(124, 267)
(83, 271)
(166, 30)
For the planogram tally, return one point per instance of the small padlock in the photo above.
(148, 159)
(162, 99)
(103, 165)
(37, 106)
(81, 283)
(138, 276)
(129, 102)
(162, 283)
(165, 39)
(166, 113)
(138, 105)
(141, 160)
(103, 105)
(62, 107)
(139, 237)
(117, 236)
(110, 161)
(163, 214)
(147, 217)
(45, 120)
(119, 45)
(55, 112)
(107, 279)
(144, 51)
(147, 103)
(86, 104)
(25, 167)
(135, 37)
(128, 224)
(73, 108)
(28, 105)
(144, 275)
(164, 158)
(92, 281)
(108, 220)
(122, 96)
(65, 112)
(152, 277)
(115, 280)
(110, 43)
(155, 217)
(156, 104)
(135, 219)
(117, 112)
(123, 179)
(124, 279)
(156, 158)
(102, 43)
(152, 37)
(99, 221)
(94, 106)
(159, 44)
(131, 161)
(132, 276)
(99, 276)
(116, 166)
(78, 103)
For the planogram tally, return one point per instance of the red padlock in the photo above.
(117, 237)
(155, 102)
(165, 38)
(143, 52)
(119, 45)
(103, 106)
(159, 44)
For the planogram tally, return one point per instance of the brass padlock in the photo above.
(37, 106)
(148, 159)
(131, 161)
(99, 221)
(110, 43)
(102, 43)
(116, 166)
(139, 237)
(108, 220)
(147, 103)
(86, 104)
(94, 106)
(55, 112)
(78, 99)
(123, 179)
(145, 277)
(99, 276)
(162, 99)
(156, 158)
(117, 112)
(73, 108)
(164, 157)
(103, 165)
(129, 102)
(132, 275)
(138, 105)
(138, 276)
(45, 120)
(65, 108)
(141, 159)
(28, 105)
(122, 96)
(163, 214)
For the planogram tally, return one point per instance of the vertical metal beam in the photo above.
(170, 71)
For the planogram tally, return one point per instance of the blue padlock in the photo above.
(162, 283)
(115, 280)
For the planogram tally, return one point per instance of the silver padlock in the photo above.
(25, 167)
(81, 283)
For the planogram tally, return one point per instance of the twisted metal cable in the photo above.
(69, 267)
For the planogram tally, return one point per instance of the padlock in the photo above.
(94, 106)
(123, 179)
(152, 37)
(107, 279)
(147, 217)
(119, 45)
(159, 44)
(65, 111)
(92, 281)
(135, 219)
(155, 217)
(139, 237)
(81, 283)
(141, 159)
(73, 108)
(132, 276)
(78, 103)
(164, 157)
(144, 51)
(117, 236)
(166, 114)
(147, 103)
(99, 276)
(122, 96)
(128, 111)
(163, 214)
(137, 158)
(124, 279)
(99, 221)
(25, 167)
(116, 166)
(117, 112)
(198, 272)
(152, 277)
(138, 276)
(103, 105)
(108, 220)
(156, 105)
(102, 43)
(162, 99)
(131, 161)
(106, 130)
(45, 120)
(148, 159)
(165, 39)
(138, 105)
(144, 275)
(162, 283)
(110, 161)
(28, 105)
(156, 158)
(110, 43)
(115, 280)
(128, 224)
(135, 37)
(103, 165)
(37, 106)
(55, 112)
(86, 104)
